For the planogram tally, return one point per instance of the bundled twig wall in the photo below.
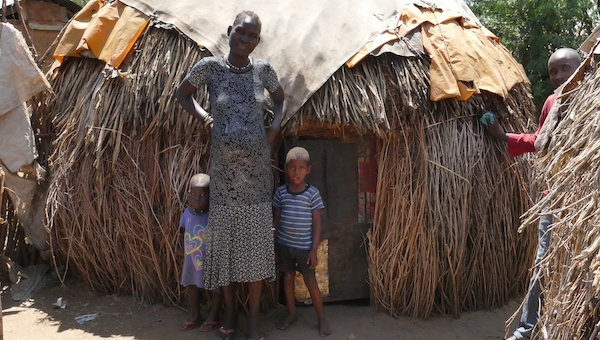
(448, 207)
(123, 157)
(571, 171)
(475, 196)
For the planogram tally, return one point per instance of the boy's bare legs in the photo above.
(254, 290)
(288, 289)
(317, 300)
(229, 322)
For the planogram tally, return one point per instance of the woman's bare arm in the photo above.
(184, 94)
(278, 100)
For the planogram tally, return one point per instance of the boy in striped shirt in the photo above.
(297, 221)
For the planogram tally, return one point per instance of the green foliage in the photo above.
(81, 3)
(533, 29)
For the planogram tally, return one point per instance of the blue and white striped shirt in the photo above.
(295, 225)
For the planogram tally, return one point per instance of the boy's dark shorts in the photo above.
(292, 259)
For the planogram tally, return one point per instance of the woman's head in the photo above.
(248, 14)
(244, 34)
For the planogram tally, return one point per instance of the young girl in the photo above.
(194, 226)
(240, 241)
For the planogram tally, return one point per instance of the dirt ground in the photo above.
(125, 318)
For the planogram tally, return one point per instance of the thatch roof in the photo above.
(305, 41)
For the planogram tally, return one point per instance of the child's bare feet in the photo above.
(323, 328)
(290, 320)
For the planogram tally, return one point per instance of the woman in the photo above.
(240, 241)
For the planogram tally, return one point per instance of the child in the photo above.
(194, 223)
(297, 222)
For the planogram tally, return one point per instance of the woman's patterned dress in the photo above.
(240, 241)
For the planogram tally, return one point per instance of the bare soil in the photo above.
(126, 318)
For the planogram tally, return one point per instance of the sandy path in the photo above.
(124, 318)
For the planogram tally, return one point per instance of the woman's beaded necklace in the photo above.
(236, 69)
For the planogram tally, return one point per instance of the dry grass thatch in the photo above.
(449, 199)
(571, 171)
(123, 156)
(448, 205)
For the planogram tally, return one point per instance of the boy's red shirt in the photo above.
(520, 143)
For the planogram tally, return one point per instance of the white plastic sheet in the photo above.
(305, 41)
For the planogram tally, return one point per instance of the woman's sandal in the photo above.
(208, 326)
(225, 333)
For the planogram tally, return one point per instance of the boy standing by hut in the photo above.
(297, 222)
(561, 65)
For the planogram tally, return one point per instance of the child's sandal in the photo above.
(226, 334)
(208, 326)
(187, 325)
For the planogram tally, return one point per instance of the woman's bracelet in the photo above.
(207, 121)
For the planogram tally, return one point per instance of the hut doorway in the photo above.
(345, 173)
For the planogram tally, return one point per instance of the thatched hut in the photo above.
(569, 167)
(397, 132)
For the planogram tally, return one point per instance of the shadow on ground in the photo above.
(126, 318)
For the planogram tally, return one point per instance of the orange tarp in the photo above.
(465, 58)
(108, 31)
